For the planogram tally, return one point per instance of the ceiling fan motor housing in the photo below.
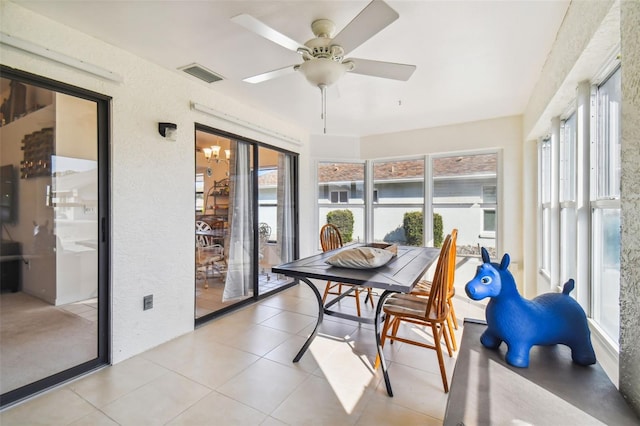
(323, 61)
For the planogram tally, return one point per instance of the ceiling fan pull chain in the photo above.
(323, 114)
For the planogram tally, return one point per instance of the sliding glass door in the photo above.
(276, 216)
(244, 220)
(53, 304)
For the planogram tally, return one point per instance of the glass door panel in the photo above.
(49, 310)
(240, 232)
(276, 224)
(223, 219)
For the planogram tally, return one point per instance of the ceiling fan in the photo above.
(323, 56)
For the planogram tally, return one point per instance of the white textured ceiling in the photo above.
(475, 59)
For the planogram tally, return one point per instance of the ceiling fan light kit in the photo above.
(323, 56)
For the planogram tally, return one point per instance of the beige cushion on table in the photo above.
(360, 257)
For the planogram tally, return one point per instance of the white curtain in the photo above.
(239, 282)
(285, 208)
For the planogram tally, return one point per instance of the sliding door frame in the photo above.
(254, 265)
(103, 103)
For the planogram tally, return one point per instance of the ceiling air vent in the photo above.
(201, 72)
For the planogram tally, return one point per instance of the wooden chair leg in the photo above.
(451, 333)
(326, 291)
(443, 372)
(357, 294)
(452, 312)
(444, 333)
(370, 296)
(394, 329)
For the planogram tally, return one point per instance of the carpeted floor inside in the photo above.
(38, 339)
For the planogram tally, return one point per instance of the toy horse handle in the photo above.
(504, 264)
(485, 255)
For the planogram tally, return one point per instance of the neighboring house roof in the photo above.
(465, 165)
(269, 178)
(341, 172)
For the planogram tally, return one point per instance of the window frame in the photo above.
(544, 206)
(604, 197)
(371, 203)
(589, 205)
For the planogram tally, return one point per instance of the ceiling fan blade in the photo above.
(371, 20)
(382, 69)
(263, 30)
(270, 75)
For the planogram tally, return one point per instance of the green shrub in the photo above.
(438, 231)
(413, 230)
(343, 219)
(412, 224)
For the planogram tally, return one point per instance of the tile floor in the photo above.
(237, 370)
(209, 298)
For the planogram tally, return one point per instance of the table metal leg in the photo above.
(320, 316)
(383, 363)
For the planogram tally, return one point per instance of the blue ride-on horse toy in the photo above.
(549, 319)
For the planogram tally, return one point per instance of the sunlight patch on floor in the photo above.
(349, 376)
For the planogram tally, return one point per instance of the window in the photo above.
(465, 196)
(568, 190)
(568, 160)
(398, 213)
(588, 195)
(339, 196)
(605, 205)
(489, 194)
(463, 193)
(545, 203)
(489, 221)
(199, 192)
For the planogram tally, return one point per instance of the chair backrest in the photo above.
(437, 305)
(452, 261)
(264, 232)
(330, 237)
(203, 240)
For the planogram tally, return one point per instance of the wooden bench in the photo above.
(485, 390)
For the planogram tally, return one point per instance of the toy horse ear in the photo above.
(504, 264)
(485, 255)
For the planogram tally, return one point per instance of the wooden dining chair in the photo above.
(430, 312)
(423, 288)
(330, 239)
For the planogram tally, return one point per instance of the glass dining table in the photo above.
(399, 275)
